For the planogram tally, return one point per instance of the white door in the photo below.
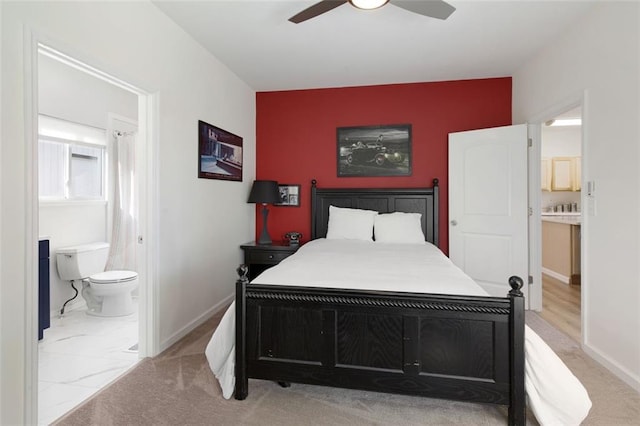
(488, 211)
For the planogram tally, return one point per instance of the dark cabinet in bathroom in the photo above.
(44, 316)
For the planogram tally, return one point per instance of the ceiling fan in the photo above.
(433, 8)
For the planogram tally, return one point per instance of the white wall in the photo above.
(69, 94)
(600, 55)
(561, 141)
(201, 222)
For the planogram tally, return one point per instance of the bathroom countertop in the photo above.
(573, 219)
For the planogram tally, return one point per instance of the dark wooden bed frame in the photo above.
(464, 348)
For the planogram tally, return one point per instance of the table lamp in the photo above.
(264, 192)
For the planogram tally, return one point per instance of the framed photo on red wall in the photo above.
(383, 150)
(219, 153)
(289, 195)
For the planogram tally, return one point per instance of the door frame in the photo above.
(535, 224)
(148, 114)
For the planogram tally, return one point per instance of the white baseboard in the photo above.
(556, 275)
(196, 322)
(620, 372)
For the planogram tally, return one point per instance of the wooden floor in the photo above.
(561, 306)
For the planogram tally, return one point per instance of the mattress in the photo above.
(555, 395)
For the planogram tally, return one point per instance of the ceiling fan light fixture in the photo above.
(368, 4)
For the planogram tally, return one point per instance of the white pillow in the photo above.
(350, 224)
(399, 228)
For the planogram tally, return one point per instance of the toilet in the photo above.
(107, 293)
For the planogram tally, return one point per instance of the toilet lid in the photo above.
(107, 277)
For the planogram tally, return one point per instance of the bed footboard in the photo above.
(454, 347)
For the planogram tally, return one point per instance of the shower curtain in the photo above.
(122, 253)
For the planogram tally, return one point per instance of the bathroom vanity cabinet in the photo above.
(561, 248)
(44, 279)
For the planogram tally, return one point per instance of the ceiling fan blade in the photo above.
(316, 9)
(433, 8)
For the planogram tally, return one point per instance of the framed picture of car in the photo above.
(374, 150)
(219, 153)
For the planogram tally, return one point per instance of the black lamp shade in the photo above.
(264, 191)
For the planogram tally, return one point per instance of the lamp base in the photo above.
(264, 239)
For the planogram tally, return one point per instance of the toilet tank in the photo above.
(79, 262)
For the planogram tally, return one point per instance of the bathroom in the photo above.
(80, 352)
(561, 164)
(561, 173)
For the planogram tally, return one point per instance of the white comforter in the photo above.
(555, 395)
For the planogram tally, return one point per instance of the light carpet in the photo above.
(178, 388)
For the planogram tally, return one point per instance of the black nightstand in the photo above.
(259, 257)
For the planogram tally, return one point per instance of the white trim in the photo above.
(584, 221)
(31, 232)
(535, 243)
(148, 227)
(58, 202)
(535, 225)
(148, 105)
(46, 49)
(71, 121)
(48, 138)
(622, 373)
(1, 230)
(67, 131)
(557, 276)
(196, 322)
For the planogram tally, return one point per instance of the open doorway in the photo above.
(561, 221)
(81, 117)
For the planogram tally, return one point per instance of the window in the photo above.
(71, 159)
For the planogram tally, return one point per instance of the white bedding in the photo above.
(555, 395)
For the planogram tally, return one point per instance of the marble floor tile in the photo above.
(79, 355)
(110, 346)
(80, 370)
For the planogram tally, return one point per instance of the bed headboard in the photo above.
(383, 200)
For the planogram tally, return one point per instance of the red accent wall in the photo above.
(296, 136)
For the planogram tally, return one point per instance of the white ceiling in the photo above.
(351, 47)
